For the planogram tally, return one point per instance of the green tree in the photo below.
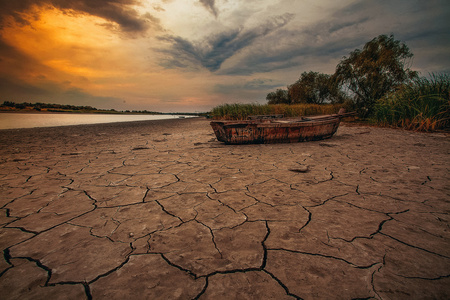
(280, 96)
(379, 68)
(315, 87)
(9, 104)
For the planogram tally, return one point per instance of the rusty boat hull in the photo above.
(268, 131)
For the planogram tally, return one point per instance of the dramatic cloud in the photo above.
(212, 52)
(117, 11)
(324, 43)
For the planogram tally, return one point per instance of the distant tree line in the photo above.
(73, 108)
(142, 112)
(360, 79)
(39, 106)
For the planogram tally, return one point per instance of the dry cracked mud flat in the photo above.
(162, 210)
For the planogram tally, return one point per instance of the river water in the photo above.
(27, 120)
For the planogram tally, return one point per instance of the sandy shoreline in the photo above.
(161, 209)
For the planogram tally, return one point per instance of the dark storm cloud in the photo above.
(212, 52)
(117, 11)
(210, 6)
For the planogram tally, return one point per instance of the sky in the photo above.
(192, 55)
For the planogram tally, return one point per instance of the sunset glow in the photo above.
(176, 55)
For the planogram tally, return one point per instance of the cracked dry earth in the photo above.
(162, 210)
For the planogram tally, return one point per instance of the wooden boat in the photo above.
(270, 129)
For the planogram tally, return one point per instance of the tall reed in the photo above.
(242, 111)
(423, 105)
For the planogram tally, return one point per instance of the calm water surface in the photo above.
(24, 120)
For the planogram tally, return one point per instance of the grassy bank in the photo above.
(242, 111)
(423, 105)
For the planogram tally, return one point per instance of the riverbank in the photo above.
(161, 209)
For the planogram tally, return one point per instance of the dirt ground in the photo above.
(162, 210)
